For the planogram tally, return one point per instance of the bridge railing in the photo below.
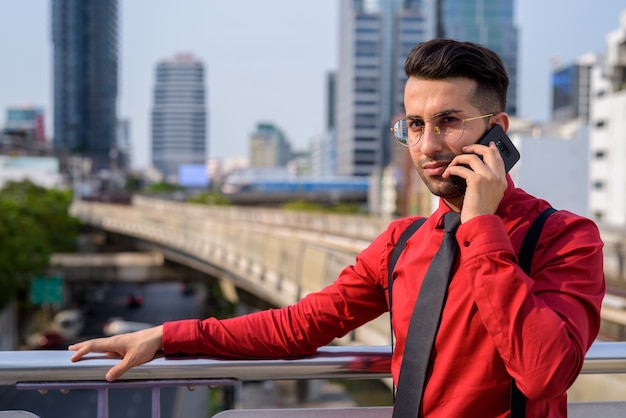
(279, 255)
(357, 227)
(269, 253)
(52, 370)
(357, 230)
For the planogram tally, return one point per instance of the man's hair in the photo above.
(446, 58)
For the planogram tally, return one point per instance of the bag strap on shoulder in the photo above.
(395, 254)
(525, 258)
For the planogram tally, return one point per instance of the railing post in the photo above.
(102, 408)
(156, 402)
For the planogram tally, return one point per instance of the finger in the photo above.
(74, 347)
(81, 350)
(118, 370)
(494, 157)
(113, 355)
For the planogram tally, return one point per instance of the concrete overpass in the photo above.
(280, 256)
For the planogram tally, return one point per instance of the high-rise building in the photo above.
(571, 90)
(85, 39)
(179, 115)
(331, 100)
(607, 127)
(26, 122)
(486, 22)
(123, 152)
(375, 37)
(269, 148)
(322, 155)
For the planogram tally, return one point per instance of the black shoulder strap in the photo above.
(395, 254)
(525, 258)
(529, 244)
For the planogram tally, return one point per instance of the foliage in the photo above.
(163, 187)
(308, 206)
(210, 198)
(34, 223)
(134, 183)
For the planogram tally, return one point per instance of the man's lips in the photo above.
(436, 168)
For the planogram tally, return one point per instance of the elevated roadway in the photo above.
(280, 256)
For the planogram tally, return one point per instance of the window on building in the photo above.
(598, 215)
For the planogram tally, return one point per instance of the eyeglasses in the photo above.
(448, 126)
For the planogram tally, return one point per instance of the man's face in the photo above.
(424, 99)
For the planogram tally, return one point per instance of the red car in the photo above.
(134, 300)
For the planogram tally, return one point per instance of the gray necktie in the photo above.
(425, 322)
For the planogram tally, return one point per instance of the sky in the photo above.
(265, 61)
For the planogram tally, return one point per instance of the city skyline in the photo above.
(266, 62)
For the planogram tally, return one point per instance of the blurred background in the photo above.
(253, 106)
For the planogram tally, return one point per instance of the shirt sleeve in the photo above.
(542, 324)
(356, 297)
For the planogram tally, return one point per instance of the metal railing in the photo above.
(52, 370)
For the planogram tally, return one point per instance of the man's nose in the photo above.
(431, 140)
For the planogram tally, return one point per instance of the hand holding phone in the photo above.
(509, 153)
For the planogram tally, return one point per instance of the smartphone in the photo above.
(509, 153)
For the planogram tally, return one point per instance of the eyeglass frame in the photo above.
(436, 129)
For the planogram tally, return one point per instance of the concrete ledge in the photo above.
(574, 410)
(365, 412)
(615, 409)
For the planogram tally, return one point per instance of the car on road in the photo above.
(115, 326)
(68, 323)
(47, 339)
(134, 300)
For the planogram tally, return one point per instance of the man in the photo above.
(498, 322)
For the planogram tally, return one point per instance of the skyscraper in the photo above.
(375, 36)
(26, 122)
(179, 115)
(84, 36)
(269, 148)
(374, 39)
(571, 90)
(607, 126)
(486, 22)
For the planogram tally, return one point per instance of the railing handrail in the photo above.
(332, 362)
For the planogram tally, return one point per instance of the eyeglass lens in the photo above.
(409, 131)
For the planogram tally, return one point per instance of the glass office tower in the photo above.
(489, 23)
(85, 39)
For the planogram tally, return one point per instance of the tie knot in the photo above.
(451, 222)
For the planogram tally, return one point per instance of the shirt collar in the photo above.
(444, 208)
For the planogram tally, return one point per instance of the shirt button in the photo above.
(466, 243)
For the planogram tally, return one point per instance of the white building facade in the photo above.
(607, 177)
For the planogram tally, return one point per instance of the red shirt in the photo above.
(497, 322)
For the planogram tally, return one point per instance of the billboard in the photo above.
(193, 176)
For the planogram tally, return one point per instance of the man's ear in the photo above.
(502, 119)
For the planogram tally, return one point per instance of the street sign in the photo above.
(46, 290)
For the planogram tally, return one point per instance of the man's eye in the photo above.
(449, 120)
(415, 123)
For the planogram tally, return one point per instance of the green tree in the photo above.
(163, 187)
(210, 198)
(34, 223)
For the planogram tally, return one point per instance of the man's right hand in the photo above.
(134, 349)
